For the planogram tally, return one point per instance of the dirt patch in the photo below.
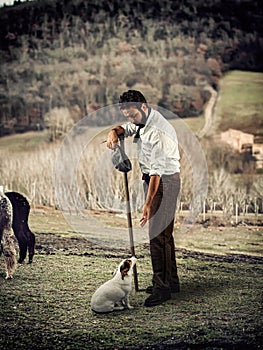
(49, 243)
(228, 258)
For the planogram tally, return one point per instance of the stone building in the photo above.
(244, 142)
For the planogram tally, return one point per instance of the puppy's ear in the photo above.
(125, 267)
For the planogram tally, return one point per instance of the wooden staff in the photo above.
(129, 219)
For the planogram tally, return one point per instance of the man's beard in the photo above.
(143, 121)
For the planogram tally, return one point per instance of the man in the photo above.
(158, 157)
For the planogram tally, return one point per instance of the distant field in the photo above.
(24, 142)
(193, 123)
(241, 102)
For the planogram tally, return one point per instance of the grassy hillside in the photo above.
(240, 106)
(241, 102)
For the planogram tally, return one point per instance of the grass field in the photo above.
(47, 304)
(25, 142)
(241, 102)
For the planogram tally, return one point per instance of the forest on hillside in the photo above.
(63, 59)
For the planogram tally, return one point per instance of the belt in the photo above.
(146, 177)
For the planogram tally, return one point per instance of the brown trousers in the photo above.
(161, 226)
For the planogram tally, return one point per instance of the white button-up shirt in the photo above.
(158, 152)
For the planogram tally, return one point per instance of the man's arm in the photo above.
(152, 189)
(113, 136)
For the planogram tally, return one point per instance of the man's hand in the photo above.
(145, 215)
(152, 189)
(112, 139)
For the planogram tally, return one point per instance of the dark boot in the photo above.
(174, 289)
(158, 297)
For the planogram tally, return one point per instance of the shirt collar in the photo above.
(150, 115)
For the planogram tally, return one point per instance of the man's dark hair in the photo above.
(131, 98)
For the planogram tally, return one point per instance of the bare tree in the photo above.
(59, 121)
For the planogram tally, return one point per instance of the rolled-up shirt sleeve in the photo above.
(129, 129)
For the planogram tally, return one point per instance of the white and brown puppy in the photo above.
(114, 294)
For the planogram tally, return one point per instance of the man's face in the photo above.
(135, 115)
